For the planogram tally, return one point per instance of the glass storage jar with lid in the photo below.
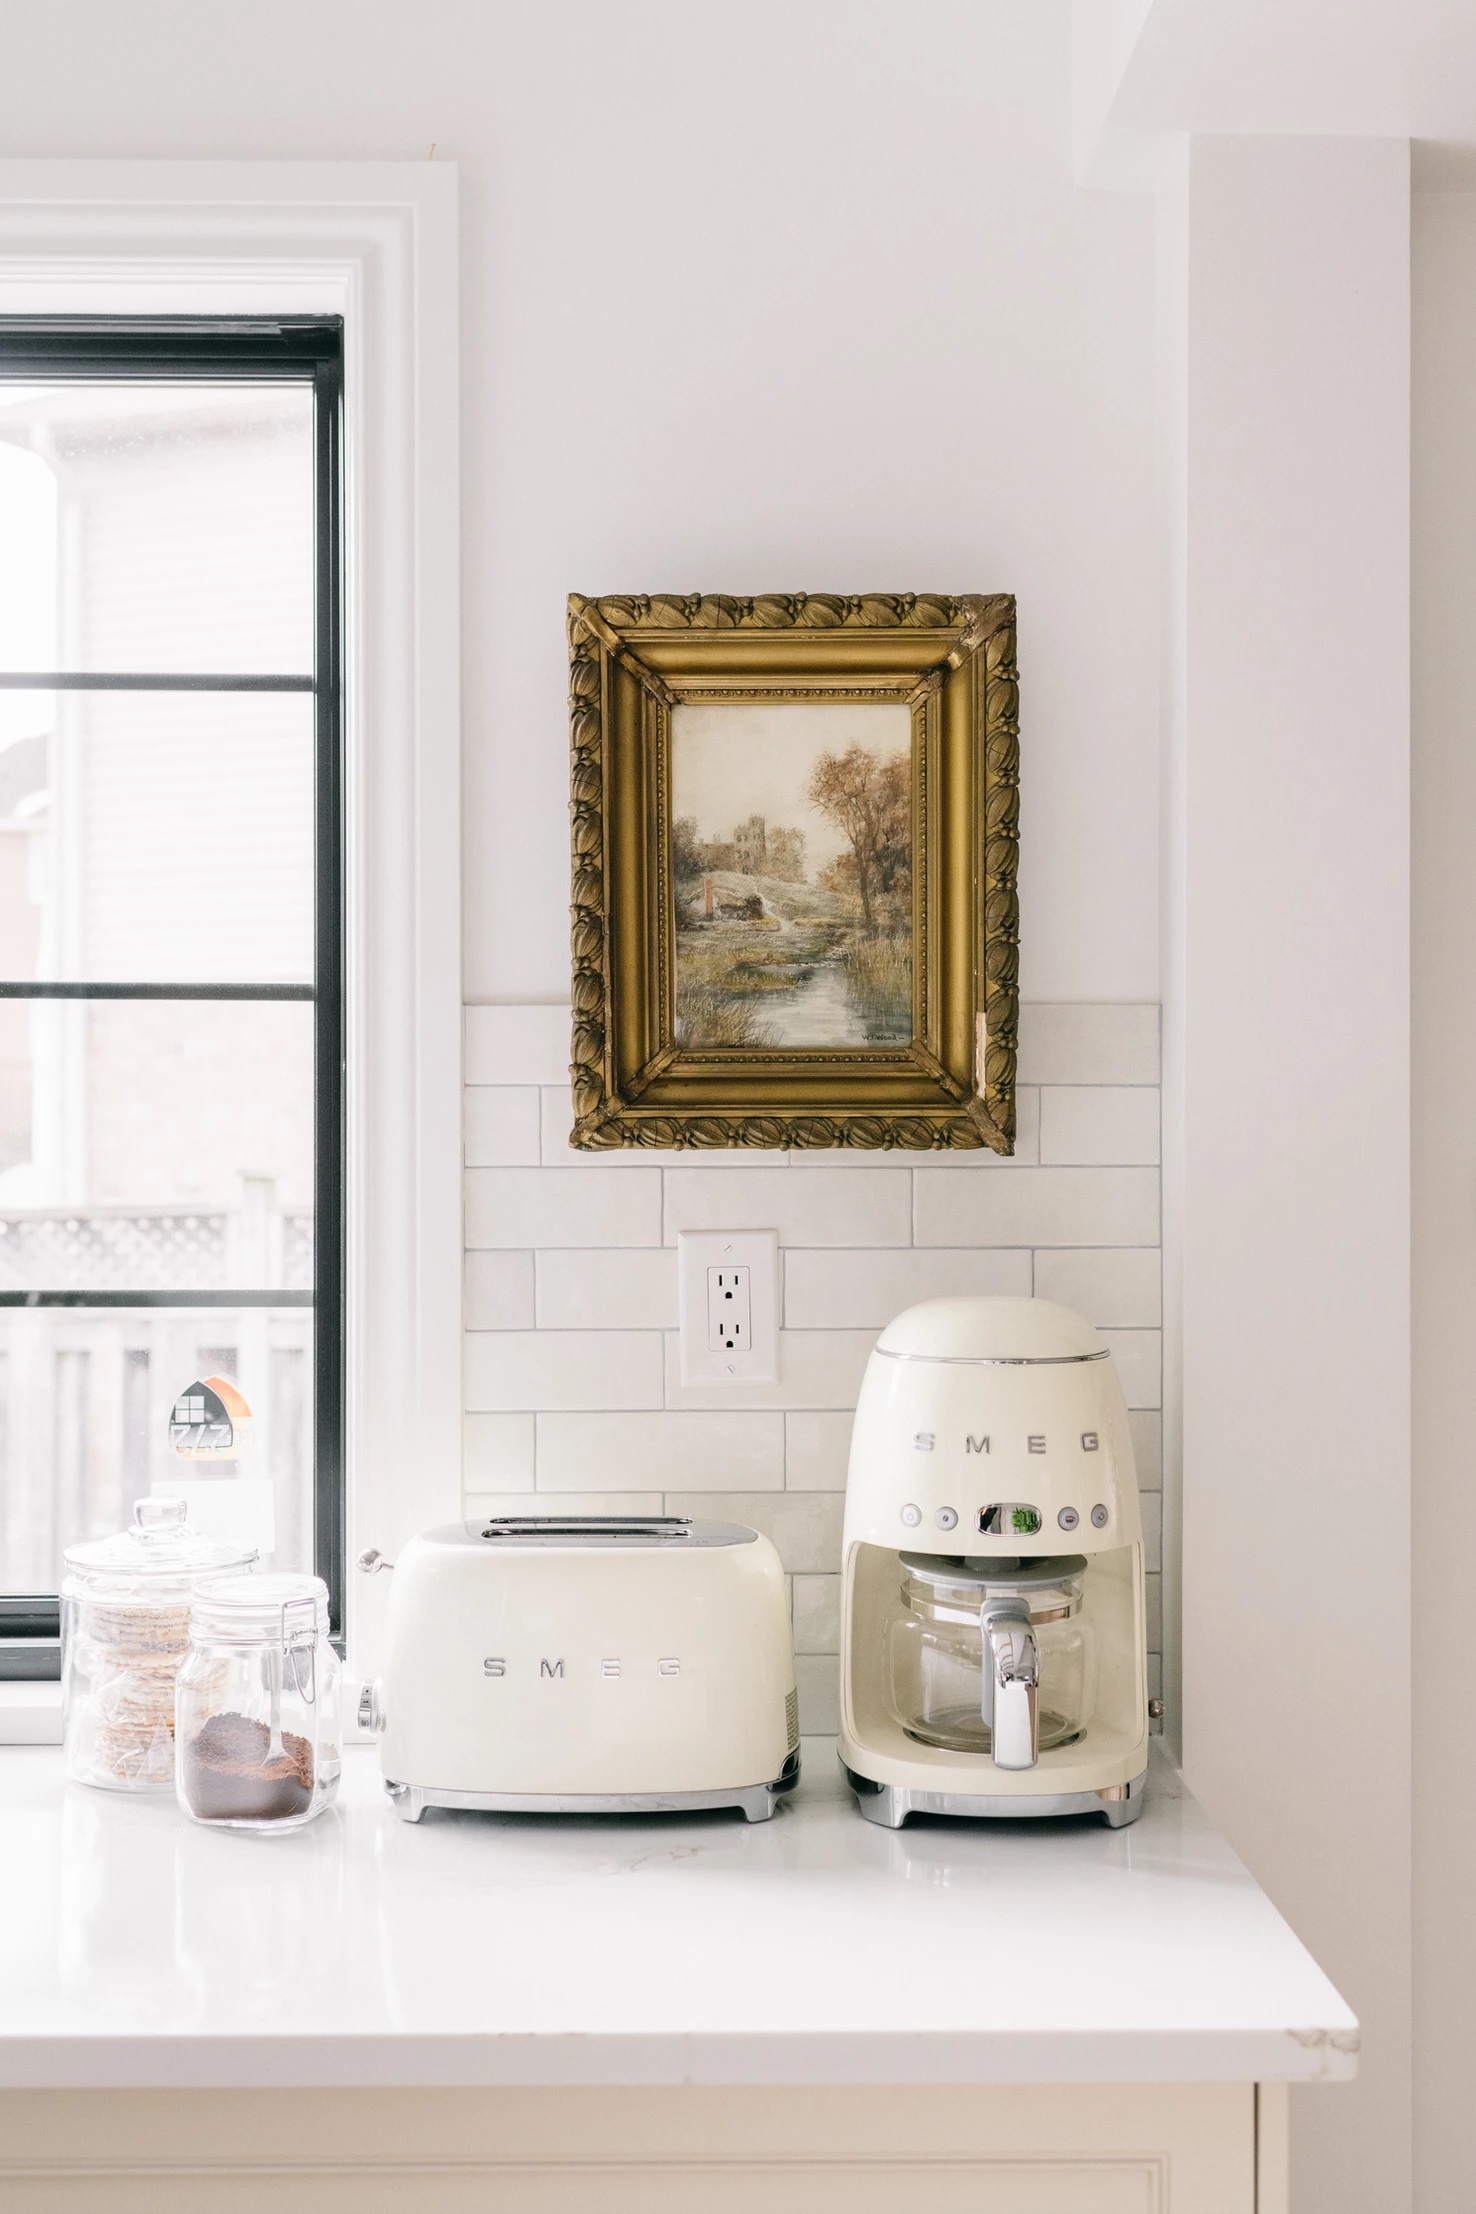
(125, 1621)
(256, 1706)
(941, 1686)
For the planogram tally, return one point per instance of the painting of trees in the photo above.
(868, 796)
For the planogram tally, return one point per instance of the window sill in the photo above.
(30, 1713)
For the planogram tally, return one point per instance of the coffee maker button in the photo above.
(911, 1515)
(1099, 1518)
(1068, 1518)
(946, 1518)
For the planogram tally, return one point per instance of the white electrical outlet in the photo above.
(729, 1310)
(728, 1303)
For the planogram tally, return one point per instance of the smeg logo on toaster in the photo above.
(550, 1670)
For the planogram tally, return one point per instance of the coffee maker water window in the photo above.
(1006, 1518)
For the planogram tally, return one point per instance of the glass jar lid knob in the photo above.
(151, 1515)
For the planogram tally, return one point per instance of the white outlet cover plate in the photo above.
(758, 1252)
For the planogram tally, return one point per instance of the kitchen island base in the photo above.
(1188, 2148)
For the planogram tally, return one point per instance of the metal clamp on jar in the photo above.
(992, 1656)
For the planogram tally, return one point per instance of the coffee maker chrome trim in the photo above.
(990, 1429)
(888, 1805)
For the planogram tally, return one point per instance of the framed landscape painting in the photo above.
(795, 824)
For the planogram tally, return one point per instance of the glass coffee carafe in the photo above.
(992, 1656)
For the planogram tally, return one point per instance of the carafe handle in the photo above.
(1009, 1682)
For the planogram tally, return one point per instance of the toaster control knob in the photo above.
(947, 1518)
(371, 1710)
(911, 1515)
(1100, 1518)
(1068, 1518)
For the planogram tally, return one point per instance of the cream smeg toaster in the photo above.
(587, 1664)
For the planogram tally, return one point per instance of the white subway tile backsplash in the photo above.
(803, 1526)
(1042, 1206)
(1099, 1124)
(817, 1681)
(517, 1045)
(837, 1289)
(806, 1206)
(572, 1366)
(676, 1451)
(582, 1370)
(1061, 1042)
(497, 1452)
(562, 1207)
(1138, 1358)
(568, 1502)
(557, 1120)
(817, 1448)
(498, 1291)
(1146, 1427)
(1153, 1607)
(615, 1288)
(501, 1125)
(817, 1368)
(1079, 1043)
(817, 1614)
(1116, 1287)
(1151, 1503)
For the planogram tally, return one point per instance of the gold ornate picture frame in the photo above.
(796, 837)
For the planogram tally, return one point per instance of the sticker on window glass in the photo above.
(210, 1421)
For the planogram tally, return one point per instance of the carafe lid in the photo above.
(1006, 1574)
(258, 1610)
(156, 1552)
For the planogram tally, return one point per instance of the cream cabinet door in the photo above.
(1084, 2149)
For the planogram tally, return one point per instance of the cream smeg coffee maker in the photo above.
(992, 1646)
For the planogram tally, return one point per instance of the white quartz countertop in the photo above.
(137, 1949)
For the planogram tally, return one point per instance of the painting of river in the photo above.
(792, 873)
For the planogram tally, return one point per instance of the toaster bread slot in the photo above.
(589, 1529)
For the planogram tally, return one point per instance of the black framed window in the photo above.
(171, 941)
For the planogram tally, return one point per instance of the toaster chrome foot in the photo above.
(888, 1805)
(756, 1801)
(408, 1803)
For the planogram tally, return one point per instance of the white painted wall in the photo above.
(1316, 67)
(787, 297)
(1290, 1024)
(1444, 562)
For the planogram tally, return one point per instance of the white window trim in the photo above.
(375, 242)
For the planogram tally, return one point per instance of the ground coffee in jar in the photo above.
(230, 1774)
